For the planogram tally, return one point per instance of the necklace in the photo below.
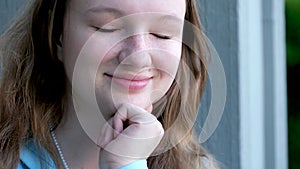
(59, 150)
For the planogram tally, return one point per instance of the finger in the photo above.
(118, 123)
(149, 108)
(132, 147)
(106, 134)
(135, 114)
(142, 123)
(140, 138)
(122, 116)
(114, 126)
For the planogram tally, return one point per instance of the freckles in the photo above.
(108, 47)
(173, 48)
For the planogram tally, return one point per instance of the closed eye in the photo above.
(161, 36)
(106, 30)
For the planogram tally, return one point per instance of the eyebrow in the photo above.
(100, 9)
(119, 13)
(170, 17)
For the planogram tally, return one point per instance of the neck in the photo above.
(78, 149)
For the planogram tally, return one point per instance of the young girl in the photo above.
(145, 81)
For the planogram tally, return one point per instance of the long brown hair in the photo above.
(33, 89)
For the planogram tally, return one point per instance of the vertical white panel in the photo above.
(275, 85)
(280, 114)
(251, 84)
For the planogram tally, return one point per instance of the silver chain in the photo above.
(59, 150)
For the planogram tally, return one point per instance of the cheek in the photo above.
(168, 57)
(73, 43)
(84, 49)
(166, 61)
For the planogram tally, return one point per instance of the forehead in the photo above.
(127, 7)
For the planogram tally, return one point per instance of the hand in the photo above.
(123, 145)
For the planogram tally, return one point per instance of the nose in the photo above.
(136, 51)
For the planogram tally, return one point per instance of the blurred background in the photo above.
(293, 84)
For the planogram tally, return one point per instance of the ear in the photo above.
(59, 51)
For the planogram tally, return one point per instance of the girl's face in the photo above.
(134, 45)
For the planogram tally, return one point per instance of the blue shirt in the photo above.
(29, 159)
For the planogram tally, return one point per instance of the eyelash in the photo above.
(105, 30)
(160, 36)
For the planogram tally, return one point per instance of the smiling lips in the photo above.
(137, 82)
